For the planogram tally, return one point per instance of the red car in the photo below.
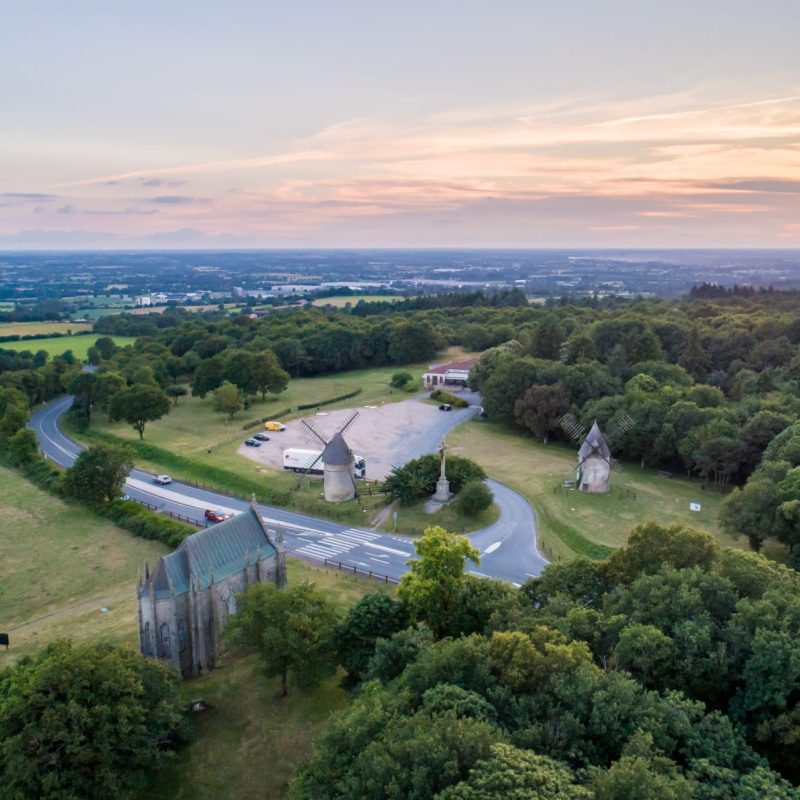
(216, 515)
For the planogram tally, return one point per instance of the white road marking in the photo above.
(387, 549)
(491, 548)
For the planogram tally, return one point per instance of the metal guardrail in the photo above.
(356, 571)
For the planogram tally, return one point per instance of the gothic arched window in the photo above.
(147, 640)
(182, 638)
(164, 649)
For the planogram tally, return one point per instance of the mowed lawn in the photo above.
(59, 565)
(57, 345)
(38, 328)
(573, 522)
(192, 428)
(248, 744)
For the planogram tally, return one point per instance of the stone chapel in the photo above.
(185, 602)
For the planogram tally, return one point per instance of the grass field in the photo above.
(247, 745)
(412, 520)
(340, 301)
(37, 328)
(193, 427)
(54, 347)
(59, 564)
(572, 522)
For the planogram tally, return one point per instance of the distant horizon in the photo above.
(390, 248)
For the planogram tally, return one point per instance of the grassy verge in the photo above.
(412, 520)
(248, 744)
(571, 522)
(59, 565)
(269, 486)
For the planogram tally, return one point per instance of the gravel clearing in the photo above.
(387, 435)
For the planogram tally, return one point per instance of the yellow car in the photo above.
(273, 425)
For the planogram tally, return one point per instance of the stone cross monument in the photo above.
(442, 485)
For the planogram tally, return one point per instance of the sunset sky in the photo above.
(365, 124)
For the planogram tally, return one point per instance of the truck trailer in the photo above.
(310, 461)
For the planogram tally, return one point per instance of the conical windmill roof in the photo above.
(594, 444)
(336, 452)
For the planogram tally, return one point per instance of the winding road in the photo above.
(508, 547)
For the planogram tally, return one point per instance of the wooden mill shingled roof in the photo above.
(336, 452)
(594, 445)
(214, 553)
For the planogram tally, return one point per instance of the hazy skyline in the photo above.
(577, 124)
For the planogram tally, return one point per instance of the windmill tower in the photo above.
(593, 472)
(338, 479)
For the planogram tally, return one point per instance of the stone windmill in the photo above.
(593, 472)
(338, 478)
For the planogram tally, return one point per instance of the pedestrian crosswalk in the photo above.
(333, 546)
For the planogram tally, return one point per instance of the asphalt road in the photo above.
(508, 547)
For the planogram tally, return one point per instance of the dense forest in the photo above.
(669, 671)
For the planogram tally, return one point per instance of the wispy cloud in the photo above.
(666, 166)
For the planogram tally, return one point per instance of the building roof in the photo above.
(594, 444)
(454, 366)
(214, 553)
(336, 452)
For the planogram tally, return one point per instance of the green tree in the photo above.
(540, 410)
(228, 399)
(642, 774)
(292, 630)
(89, 722)
(375, 616)
(108, 384)
(207, 375)
(430, 589)
(13, 413)
(547, 338)
(99, 472)
(106, 347)
(474, 497)
(693, 357)
(175, 391)
(751, 509)
(83, 385)
(139, 404)
(513, 774)
(22, 447)
(268, 375)
(652, 546)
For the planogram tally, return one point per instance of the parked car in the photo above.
(274, 425)
(216, 515)
(445, 407)
(162, 480)
(262, 437)
(252, 442)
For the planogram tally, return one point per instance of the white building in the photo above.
(456, 373)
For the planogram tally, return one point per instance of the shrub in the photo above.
(400, 379)
(329, 400)
(445, 397)
(417, 479)
(474, 497)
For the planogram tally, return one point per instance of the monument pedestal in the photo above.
(442, 493)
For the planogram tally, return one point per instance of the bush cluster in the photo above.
(445, 397)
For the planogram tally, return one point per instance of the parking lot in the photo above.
(387, 435)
